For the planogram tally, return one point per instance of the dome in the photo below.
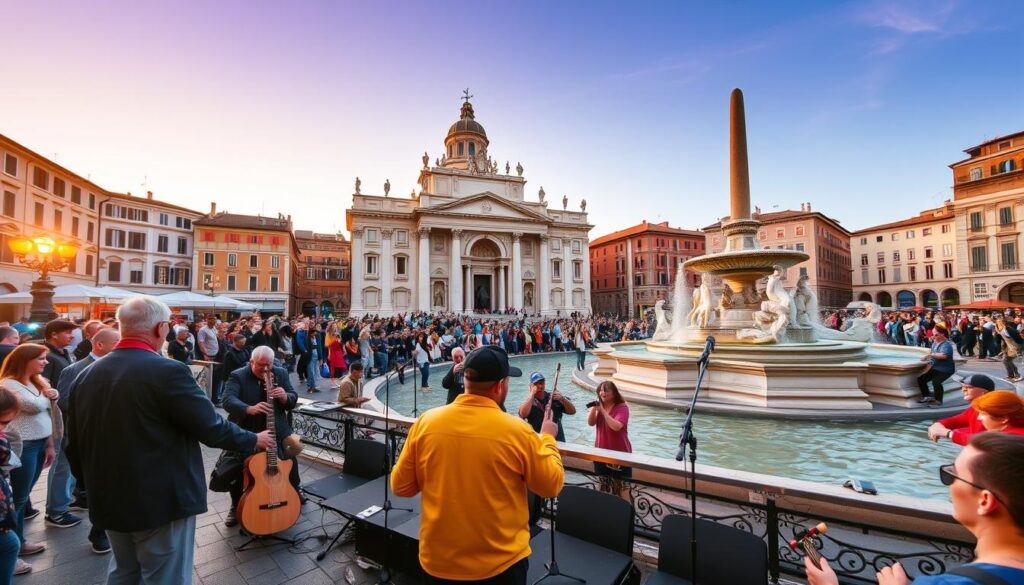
(467, 123)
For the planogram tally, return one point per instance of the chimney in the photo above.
(213, 208)
(149, 194)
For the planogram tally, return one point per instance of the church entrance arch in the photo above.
(484, 260)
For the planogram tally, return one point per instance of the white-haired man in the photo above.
(247, 400)
(134, 426)
(454, 381)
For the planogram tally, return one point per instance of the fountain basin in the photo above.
(743, 264)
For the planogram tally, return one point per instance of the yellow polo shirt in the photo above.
(473, 463)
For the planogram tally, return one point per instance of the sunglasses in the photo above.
(947, 476)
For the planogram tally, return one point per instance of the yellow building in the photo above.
(247, 257)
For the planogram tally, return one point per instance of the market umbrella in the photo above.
(993, 304)
(238, 305)
(189, 300)
(66, 294)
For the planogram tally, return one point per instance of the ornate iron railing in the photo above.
(775, 510)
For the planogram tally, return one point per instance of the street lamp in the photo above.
(211, 283)
(44, 255)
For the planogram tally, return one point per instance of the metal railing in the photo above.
(865, 532)
(979, 268)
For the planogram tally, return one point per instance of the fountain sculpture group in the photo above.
(772, 352)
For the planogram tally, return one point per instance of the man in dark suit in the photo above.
(57, 337)
(246, 400)
(9, 338)
(135, 423)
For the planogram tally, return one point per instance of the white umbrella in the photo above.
(74, 294)
(238, 305)
(189, 300)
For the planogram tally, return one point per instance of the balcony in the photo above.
(976, 229)
(1009, 266)
(979, 268)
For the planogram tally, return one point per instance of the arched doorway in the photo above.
(864, 296)
(309, 308)
(905, 299)
(950, 296)
(929, 299)
(327, 309)
(1013, 292)
(483, 261)
(884, 299)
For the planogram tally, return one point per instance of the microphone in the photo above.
(709, 346)
(592, 404)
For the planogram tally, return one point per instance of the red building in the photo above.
(632, 269)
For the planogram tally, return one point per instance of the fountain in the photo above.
(771, 351)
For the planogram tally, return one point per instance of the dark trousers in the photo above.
(581, 357)
(936, 379)
(304, 358)
(514, 575)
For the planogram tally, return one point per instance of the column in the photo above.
(455, 273)
(587, 305)
(494, 288)
(544, 282)
(356, 305)
(517, 272)
(468, 296)
(629, 278)
(501, 289)
(423, 276)
(384, 266)
(567, 279)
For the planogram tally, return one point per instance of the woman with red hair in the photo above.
(1001, 411)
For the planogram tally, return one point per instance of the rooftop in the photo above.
(944, 213)
(225, 219)
(785, 215)
(646, 227)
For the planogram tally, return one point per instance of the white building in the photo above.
(907, 263)
(470, 241)
(145, 244)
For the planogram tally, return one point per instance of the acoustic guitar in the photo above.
(269, 502)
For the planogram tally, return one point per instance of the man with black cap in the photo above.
(941, 367)
(473, 464)
(533, 409)
(960, 427)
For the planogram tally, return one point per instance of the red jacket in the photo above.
(963, 426)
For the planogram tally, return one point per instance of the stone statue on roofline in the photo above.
(565, 202)
(541, 194)
(387, 187)
(426, 159)
(583, 205)
(519, 169)
(358, 184)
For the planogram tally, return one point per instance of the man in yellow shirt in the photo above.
(473, 464)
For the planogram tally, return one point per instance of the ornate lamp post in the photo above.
(44, 255)
(211, 283)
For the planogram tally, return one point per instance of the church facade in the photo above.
(469, 241)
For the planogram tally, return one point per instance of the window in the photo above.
(1007, 165)
(88, 265)
(895, 236)
(979, 259)
(780, 232)
(879, 238)
(275, 240)
(799, 230)
(864, 277)
(1008, 251)
(371, 264)
(576, 247)
(273, 284)
(913, 273)
(881, 276)
(947, 270)
(75, 224)
(136, 241)
(863, 259)
(76, 195)
(577, 271)
(232, 279)
(40, 178)
(401, 263)
(896, 256)
(910, 234)
(39, 215)
(207, 259)
(161, 244)
(896, 276)
(371, 235)
(208, 236)
(556, 244)
(11, 164)
(462, 148)
(863, 241)
(929, 272)
(232, 238)
(89, 231)
(275, 261)
(401, 237)
(762, 235)
(252, 283)
(980, 288)
(881, 258)
(254, 261)
(253, 239)
(977, 224)
(9, 199)
(183, 223)
(59, 187)
(1005, 216)
(135, 276)
(911, 253)
(945, 228)
(58, 220)
(92, 201)
(182, 245)
(556, 269)
(947, 250)
(975, 173)
(800, 247)
(114, 271)
(232, 260)
(115, 238)
(928, 252)
(164, 219)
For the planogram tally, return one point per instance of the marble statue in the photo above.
(702, 313)
(508, 169)
(387, 187)
(725, 301)
(471, 166)
(426, 159)
(437, 162)
(583, 205)
(565, 202)
(541, 194)
(519, 169)
(528, 298)
(863, 329)
(662, 329)
(805, 303)
(776, 313)
(413, 194)
(358, 184)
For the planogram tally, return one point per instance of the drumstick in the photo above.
(547, 409)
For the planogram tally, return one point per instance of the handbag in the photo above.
(226, 471)
(325, 370)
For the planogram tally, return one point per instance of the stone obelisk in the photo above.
(741, 229)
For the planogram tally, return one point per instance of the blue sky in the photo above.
(276, 107)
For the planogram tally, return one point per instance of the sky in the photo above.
(275, 107)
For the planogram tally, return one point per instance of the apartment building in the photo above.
(324, 284)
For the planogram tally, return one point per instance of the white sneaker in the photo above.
(21, 567)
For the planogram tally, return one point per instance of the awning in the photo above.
(72, 294)
(190, 300)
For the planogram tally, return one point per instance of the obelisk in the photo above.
(739, 174)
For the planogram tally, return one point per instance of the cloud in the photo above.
(691, 67)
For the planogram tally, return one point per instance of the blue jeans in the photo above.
(161, 556)
(424, 375)
(59, 484)
(581, 357)
(312, 369)
(10, 546)
(24, 478)
(381, 357)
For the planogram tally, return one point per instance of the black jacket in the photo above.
(243, 389)
(234, 359)
(135, 423)
(56, 361)
(454, 383)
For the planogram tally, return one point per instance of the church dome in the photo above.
(467, 123)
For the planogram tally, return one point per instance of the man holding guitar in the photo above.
(247, 401)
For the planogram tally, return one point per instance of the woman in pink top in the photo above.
(611, 419)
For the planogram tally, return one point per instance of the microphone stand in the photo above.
(687, 439)
(385, 569)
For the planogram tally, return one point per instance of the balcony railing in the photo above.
(975, 229)
(1009, 266)
(979, 268)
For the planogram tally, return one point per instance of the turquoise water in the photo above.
(896, 456)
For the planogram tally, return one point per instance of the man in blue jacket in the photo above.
(135, 422)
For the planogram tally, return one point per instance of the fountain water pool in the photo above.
(897, 456)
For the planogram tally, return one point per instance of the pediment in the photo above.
(486, 204)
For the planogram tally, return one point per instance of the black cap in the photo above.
(489, 364)
(981, 381)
